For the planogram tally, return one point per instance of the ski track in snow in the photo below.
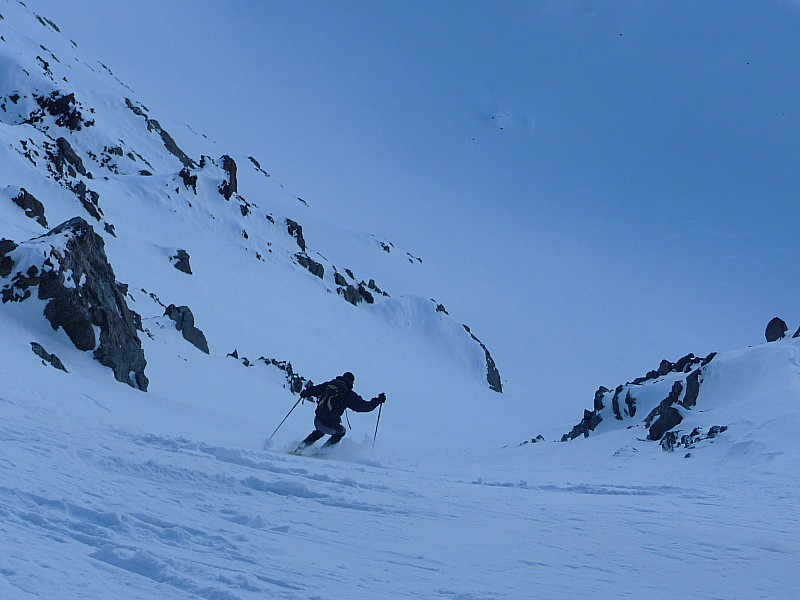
(167, 517)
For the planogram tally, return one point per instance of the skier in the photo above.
(335, 397)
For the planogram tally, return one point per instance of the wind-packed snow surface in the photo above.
(110, 492)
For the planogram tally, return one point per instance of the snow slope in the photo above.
(663, 135)
(111, 493)
(108, 492)
(249, 290)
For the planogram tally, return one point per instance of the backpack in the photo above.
(332, 403)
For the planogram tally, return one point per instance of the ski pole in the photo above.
(284, 418)
(380, 408)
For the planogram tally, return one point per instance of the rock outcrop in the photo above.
(181, 261)
(72, 274)
(258, 167)
(309, 263)
(229, 187)
(296, 231)
(166, 138)
(671, 442)
(6, 263)
(32, 207)
(492, 374)
(184, 322)
(68, 155)
(589, 423)
(65, 109)
(693, 382)
(683, 365)
(663, 417)
(295, 381)
(598, 398)
(189, 179)
(88, 198)
(47, 358)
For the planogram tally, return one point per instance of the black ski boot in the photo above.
(313, 437)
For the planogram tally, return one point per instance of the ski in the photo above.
(317, 453)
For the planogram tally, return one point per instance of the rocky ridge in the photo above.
(69, 270)
(684, 378)
(679, 383)
(73, 148)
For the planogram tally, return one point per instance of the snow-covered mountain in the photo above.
(262, 273)
(162, 307)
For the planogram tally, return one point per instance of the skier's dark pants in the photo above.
(336, 433)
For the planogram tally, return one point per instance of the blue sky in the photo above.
(599, 184)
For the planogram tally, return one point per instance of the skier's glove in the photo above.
(381, 398)
(304, 394)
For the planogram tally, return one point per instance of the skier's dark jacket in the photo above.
(347, 399)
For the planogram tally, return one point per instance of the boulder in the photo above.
(776, 330)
